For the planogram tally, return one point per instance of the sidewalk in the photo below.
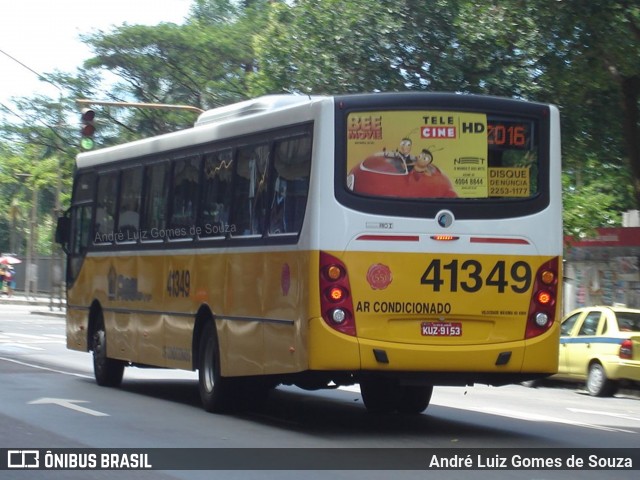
(54, 305)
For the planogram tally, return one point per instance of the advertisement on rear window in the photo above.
(434, 154)
(439, 154)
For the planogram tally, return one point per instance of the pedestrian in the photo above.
(1, 279)
(8, 280)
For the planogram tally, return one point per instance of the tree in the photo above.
(24, 177)
(329, 46)
(203, 63)
(591, 67)
(583, 57)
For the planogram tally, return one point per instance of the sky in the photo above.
(44, 35)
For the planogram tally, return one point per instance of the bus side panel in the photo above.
(539, 358)
(174, 279)
(129, 295)
(175, 350)
(241, 347)
(286, 298)
(260, 302)
(91, 284)
(331, 350)
(150, 333)
(240, 337)
(77, 323)
(122, 336)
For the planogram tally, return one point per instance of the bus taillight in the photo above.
(336, 294)
(335, 297)
(542, 309)
(544, 297)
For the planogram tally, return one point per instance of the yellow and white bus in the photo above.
(392, 240)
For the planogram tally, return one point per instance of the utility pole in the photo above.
(31, 268)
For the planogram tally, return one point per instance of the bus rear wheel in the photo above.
(382, 395)
(217, 393)
(414, 399)
(107, 371)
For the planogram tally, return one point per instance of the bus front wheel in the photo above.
(107, 371)
(217, 393)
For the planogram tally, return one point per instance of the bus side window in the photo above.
(216, 194)
(129, 211)
(80, 239)
(292, 162)
(250, 195)
(184, 195)
(154, 217)
(106, 208)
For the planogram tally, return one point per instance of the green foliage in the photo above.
(329, 46)
(582, 56)
(25, 177)
(598, 202)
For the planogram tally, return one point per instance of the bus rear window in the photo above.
(441, 155)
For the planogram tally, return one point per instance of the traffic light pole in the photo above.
(157, 106)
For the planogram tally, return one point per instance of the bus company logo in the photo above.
(379, 276)
(124, 288)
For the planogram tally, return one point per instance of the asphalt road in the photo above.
(48, 400)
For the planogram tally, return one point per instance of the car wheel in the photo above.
(598, 385)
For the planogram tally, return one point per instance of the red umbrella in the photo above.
(9, 260)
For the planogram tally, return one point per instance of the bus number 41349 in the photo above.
(179, 283)
(469, 276)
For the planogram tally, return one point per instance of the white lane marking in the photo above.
(40, 367)
(606, 414)
(25, 339)
(12, 345)
(70, 404)
(531, 417)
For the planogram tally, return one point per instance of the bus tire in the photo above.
(380, 395)
(107, 371)
(217, 393)
(414, 399)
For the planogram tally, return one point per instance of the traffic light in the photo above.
(88, 129)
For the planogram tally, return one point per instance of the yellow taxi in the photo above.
(601, 346)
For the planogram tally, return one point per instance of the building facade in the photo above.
(604, 270)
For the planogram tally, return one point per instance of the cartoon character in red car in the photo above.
(400, 174)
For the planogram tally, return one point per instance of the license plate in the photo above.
(441, 329)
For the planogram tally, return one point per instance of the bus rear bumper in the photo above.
(495, 364)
